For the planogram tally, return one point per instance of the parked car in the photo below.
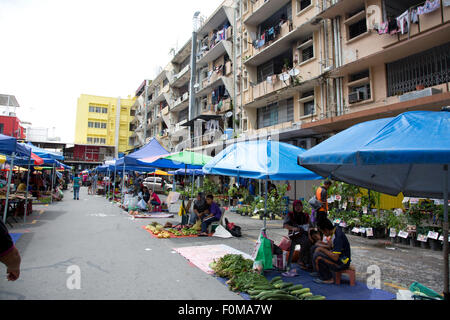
(155, 182)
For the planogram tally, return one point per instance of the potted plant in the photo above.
(423, 231)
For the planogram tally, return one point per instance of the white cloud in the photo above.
(55, 50)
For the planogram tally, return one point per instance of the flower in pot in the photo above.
(420, 87)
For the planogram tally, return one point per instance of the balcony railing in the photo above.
(270, 85)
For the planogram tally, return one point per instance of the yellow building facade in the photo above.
(96, 121)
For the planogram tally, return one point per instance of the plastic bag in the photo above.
(142, 204)
(198, 225)
(221, 232)
(264, 253)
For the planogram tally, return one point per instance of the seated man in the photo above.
(214, 215)
(338, 258)
(200, 209)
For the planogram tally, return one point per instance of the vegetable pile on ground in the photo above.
(230, 265)
(159, 230)
(243, 279)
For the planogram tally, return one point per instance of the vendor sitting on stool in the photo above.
(328, 260)
(154, 200)
(297, 222)
(215, 215)
(200, 209)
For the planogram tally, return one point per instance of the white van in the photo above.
(155, 182)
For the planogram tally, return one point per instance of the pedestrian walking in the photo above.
(76, 187)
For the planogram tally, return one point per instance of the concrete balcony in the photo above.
(335, 8)
(216, 79)
(224, 46)
(263, 9)
(182, 77)
(266, 88)
(181, 103)
(283, 42)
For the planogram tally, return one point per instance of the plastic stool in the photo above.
(351, 272)
(157, 208)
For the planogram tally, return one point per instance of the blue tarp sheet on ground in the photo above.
(152, 149)
(332, 292)
(260, 160)
(402, 154)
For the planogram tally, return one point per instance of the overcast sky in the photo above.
(54, 50)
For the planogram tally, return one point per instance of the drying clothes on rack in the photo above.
(429, 6)
(403, 22)
(383, 28)
(392, 26)
(414, 16)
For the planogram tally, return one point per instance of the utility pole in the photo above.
(145, 111)
(196, 26)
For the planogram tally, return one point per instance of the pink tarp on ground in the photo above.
(202, 256)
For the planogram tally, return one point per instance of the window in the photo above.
(104, 110)
(89, 140)
(359, 86)
(245, 40)
(276, 113)
(306, 49)
(245, 80)
(103, 125)
(102, 141)
(98, 110)
(1, 128)
(308, 108)
(307, 103)
(302, 5)
(165, 82)
(91, 109)
(274, 66)
(90, 124)
(357, 29)
(245, 5)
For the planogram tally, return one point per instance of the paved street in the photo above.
(119, 260)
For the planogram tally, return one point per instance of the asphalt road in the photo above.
(118, 260)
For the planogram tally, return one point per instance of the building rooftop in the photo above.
(8, 101)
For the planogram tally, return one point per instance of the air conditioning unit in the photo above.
(357, 96)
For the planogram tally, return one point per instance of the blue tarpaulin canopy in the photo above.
(189, 172)
(403, 154)
(262, 159)
(44, 153)
(9, 145)
(409, 153)
(152, 149)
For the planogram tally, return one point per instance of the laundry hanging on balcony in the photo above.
(429, 6)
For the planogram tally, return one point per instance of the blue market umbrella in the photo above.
(260, 159)
(409, 153)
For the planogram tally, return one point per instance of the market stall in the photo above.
(407, 154)
(271, 160)
(10, 146)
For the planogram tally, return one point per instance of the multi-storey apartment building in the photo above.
(388, 57)
(100, 122)
(303, 68)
